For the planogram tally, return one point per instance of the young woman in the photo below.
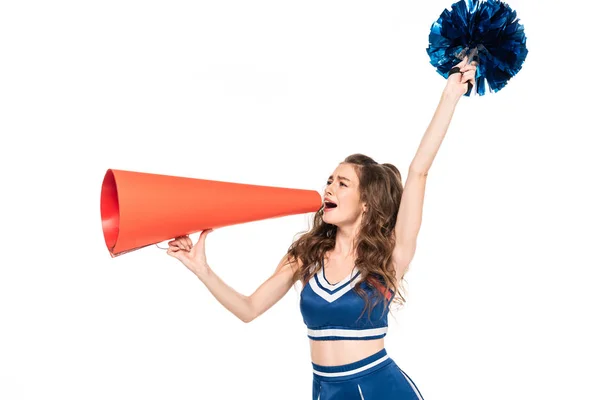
(351, 263)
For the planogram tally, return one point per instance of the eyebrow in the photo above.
(341, 178)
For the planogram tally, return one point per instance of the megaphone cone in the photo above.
(139, 209)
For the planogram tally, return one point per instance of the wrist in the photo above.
(451, 96)
(202, 272)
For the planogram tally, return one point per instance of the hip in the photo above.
(374, 377)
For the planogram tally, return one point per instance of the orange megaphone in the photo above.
(140, 209)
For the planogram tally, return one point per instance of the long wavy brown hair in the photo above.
(380, 187)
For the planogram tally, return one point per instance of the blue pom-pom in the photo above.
(488, 32)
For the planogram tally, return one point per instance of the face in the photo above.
(342, 198)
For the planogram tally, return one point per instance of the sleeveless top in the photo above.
(332, 311)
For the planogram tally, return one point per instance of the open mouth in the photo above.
(329, 205)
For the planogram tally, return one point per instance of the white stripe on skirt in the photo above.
(412, 386)
(354, 371)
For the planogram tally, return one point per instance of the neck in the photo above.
(345, 240)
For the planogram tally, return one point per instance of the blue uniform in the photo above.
(333, 312)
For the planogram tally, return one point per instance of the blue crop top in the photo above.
(331, 312)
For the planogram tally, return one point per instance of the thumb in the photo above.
(203, 236)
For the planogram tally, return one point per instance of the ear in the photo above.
(364, 208)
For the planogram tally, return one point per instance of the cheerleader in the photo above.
(351, 264)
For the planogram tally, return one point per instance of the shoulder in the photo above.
(289, 263)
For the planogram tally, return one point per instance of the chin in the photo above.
(328, 220)
(331, 221)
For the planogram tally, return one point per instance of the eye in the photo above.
(328, 183)
(343, 184)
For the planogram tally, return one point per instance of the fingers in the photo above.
(470, 67)
(454, 70)
(462, 64)
(181, 242)
(467, 72)
(176, 253)
(177, 244)
(185, 243)
(469, 76)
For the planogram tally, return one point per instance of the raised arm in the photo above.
(246, 308)
(410, 213)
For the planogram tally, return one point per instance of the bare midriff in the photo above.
(339, 352)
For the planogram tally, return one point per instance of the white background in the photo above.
(502, 293)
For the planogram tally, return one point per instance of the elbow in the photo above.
(248, 315)
(246, 318)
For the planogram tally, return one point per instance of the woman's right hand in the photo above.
(193, 257)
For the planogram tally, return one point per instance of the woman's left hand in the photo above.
(458, 83)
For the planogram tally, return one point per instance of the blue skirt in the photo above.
(375, 377)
